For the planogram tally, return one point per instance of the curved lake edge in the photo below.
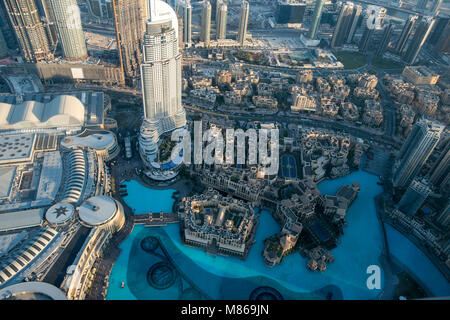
(145, 185)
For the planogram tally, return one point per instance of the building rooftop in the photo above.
(21, 219)
(16, 148)
(7, 175)
(59, 213)
(95, 139)
(93, 102)
(62, 111)
(97, 210)
(32, 291)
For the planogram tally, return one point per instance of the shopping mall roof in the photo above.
(32, 290)
(7, 175)
(16, 148)
(95, 139)
(62, 111)
(92, 101)
(97, 210)
(21, 219)
(59, 213)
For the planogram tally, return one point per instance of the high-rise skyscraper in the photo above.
(343, 25)
(161, 79)
(215, 6)
(243, 22)
(6, 27)
(435, 7)
(439, 26)
(318, 8)
(365, 39)
(3, 46)
(187, 23)
(356, 17)
(205, 34)
(48, 21)
(421, 4)
(420, 143)
(221, 24)
(444, 216)
(382, 47)
(130, 16)
(29, 30)
(370, 24)
(440, 37)
(422, 32)
(67, 18)
(440, 173)
(414, 197)
(406, 32)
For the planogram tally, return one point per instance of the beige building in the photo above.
(420, 75)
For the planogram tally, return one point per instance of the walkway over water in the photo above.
(156, 218)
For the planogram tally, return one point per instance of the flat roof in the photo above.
(97, 210)
(21, 219)
(59, 213)
(7, 175)
(95, 139)
(16, 148)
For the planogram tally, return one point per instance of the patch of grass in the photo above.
(381, 63)
(351, 60)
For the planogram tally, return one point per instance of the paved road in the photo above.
(363, 133)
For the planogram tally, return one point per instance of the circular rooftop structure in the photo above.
(59, 213)
(102, 211)
(97, 210)
(32, 291)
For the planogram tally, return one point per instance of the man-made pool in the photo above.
(416, 262)
(143, 200)
(199, 275)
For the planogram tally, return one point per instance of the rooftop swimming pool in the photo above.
(190, 273)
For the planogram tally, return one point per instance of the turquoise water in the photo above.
(417, 262)
(143, 200)
(231, 278)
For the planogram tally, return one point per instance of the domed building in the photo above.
(60, 213)
(102, 212)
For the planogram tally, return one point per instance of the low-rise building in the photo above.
(349, 111)
(265, 102)
(420, 75)
(304, 103)
(373, 113)
(304, 76)
(219, 224)
(365, 93)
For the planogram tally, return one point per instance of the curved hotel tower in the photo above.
(67, 18)
(161, 80)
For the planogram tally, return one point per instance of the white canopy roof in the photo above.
(62, 111)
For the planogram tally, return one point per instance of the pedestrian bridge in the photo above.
(154, 219)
